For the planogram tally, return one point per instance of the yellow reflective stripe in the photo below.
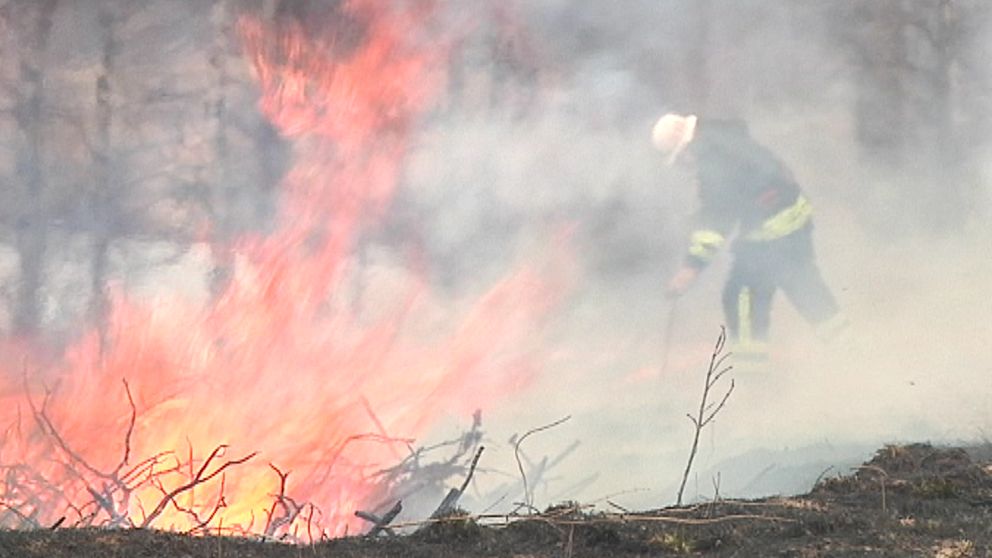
(705, 243)
(784, 223)
(744, 316)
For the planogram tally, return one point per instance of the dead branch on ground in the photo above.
(415, 474)
(114, 494)
(381, 523)
(110, 492)
(566, 516)
(451, 499)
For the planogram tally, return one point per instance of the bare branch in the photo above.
(336, 452)
(291, 510)
(147, 466)
(200, 478)
(45, 423)
(723, 402)
(25, 519)
(202, 523)
(378, 424)
(516, 453)
(130, 426)
(707, 412)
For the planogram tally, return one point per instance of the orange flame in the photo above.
(279, 363)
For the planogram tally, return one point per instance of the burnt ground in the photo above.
(915, 500)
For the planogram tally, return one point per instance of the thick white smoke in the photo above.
(913, 367)
(547, 125)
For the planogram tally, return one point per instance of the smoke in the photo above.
(545, 126)
(906, 262)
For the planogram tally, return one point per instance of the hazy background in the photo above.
(131, 152)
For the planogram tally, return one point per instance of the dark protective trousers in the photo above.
(759, 269)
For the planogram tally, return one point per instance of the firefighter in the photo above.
(744, 188)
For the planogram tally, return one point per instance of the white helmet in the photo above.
(672, 133)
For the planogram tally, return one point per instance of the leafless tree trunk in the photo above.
(104, 190)
(31, 225)
(218, 192)
(948, 185)
(880, 108)
(912, 98)
(971, 80)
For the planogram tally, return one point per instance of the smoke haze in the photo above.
(545, 128)
(908, 267)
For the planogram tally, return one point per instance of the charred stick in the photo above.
(447, 504)
(381, 523)
(387, 518)
(451, 499)
(471, 469)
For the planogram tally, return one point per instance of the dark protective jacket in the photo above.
(742, 185)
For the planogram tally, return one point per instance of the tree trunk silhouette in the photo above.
(948, 193)
(218, 193)
(104, 192)
(880, 108)
(31, 235)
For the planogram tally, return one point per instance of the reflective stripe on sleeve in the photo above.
(783, 223)
(705, 243)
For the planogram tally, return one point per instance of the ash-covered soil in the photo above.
(915, 500)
